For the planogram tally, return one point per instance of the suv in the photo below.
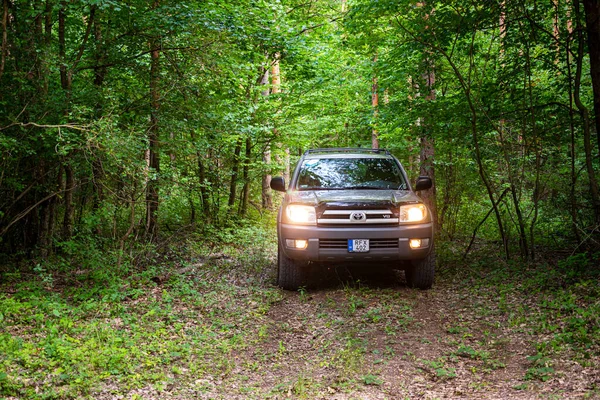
(353, 206)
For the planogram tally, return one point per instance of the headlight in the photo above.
(299, 214)
(413, 213)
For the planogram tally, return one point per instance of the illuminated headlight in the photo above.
(299, 214)
(413, 213)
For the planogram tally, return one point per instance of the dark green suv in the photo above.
(353, 206)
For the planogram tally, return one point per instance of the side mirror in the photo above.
(423, 183)
(278, 183)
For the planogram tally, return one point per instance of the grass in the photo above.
(77, 340)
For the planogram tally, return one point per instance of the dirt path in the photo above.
(376, 340)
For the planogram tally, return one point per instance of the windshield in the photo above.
(350, 173)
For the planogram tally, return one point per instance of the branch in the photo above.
(27, 211)
(59, 126)
(88, 29)
(483, 220)
(310, 28)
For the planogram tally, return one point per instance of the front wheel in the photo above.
(291, 274)
(420, 274)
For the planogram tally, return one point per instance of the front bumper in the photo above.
(318, 235)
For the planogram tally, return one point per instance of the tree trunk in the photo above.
(267, 197)
(69, 207)
(67, 230)
(592, 17)
(246, 190)
(594, 191)
(4, 45)
(64, 83)
(375, 105)
(427, 151)
(275, 89)
(572, 147)
(203, 189)
(99, 75)
(514, 193)
(152, 190)
(234, 173)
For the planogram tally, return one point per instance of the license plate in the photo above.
(358, 245)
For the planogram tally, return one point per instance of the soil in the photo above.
(375, 338)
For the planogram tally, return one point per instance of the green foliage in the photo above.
(541, 368)
(438, 369)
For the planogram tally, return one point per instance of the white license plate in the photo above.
(358, 245)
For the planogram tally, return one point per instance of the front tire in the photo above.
(291, 274)
(420, 274)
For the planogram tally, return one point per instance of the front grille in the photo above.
(383, 243)
(343, 243)
(333, 243)
(357, 217)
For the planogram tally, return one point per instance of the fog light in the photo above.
(296, 243)
(418, 243)
(415, 243)
(301, 243)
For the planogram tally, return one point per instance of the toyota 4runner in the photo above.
(353, 206)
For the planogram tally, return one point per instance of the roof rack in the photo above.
(346, 150)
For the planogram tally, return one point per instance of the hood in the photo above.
(355, 197)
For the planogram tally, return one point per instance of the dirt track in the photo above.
(378, 339)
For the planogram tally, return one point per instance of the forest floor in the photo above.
(216, 327)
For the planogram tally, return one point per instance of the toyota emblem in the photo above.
(358, 216)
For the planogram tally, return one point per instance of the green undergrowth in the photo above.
(71, 331)
(556, 302)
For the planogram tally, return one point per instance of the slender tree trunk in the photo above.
(594, 191)
(427, 147)
(203, 189)
(427, 151)
(267, 197)
(152, 190)
(514, 193)
(48, 22)
(65, 83)
(375, 105)
(275, 89)
(572, 148)
(62, 49)
(466, 87)
(99, 76)
(246, 190)
(536, 189)
(234, 173)
(69, 206)
(4, 46)
(592, 17)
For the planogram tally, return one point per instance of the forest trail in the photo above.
(376, 340)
